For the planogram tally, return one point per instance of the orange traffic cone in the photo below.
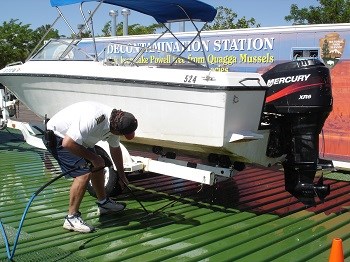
(337, 254)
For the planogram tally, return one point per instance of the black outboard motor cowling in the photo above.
(298, 102)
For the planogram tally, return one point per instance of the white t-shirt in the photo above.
(85, 122)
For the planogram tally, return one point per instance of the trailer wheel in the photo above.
(112, 186)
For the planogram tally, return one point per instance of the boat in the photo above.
(182, 105)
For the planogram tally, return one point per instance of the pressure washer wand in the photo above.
(134, 196)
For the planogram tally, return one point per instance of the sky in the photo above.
(39, 12)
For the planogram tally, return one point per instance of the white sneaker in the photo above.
(76, 223)
(110, 206)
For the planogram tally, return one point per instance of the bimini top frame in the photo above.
(163, 11)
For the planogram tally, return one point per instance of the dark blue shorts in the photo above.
(71, 164)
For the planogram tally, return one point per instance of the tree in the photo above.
(41, 31)
(328, 12)
(135, 29)
(16, 41)
(225, 19)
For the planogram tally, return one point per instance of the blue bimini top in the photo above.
(163, 11)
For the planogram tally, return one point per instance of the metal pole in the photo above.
(125, 13)
(182, 26)
(113, 15)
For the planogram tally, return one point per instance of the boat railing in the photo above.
(14, 63)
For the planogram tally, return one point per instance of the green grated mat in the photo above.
(339, 176)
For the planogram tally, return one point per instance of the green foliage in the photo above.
(328, 12)
(15, 42)
(84, 34)
(225, 19)
(41, 31)
(135, 29)
(18, 40)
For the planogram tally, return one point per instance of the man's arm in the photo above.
(117, 157)
(79, 150)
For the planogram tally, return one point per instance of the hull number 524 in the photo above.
(190, 79)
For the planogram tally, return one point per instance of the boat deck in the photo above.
(247, 218)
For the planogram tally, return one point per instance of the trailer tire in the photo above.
(112, 186)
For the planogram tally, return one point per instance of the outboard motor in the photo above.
(298, 102)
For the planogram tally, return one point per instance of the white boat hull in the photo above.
(199, 117)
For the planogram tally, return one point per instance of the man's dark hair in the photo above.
(122, 122)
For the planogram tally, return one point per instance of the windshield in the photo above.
(61, 49)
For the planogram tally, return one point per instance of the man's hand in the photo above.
(117, 157)
(123, 181)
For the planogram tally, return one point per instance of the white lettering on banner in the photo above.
(121, 49)
(241, 44)
(244, 44)
(288, 79)
(170, 47)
